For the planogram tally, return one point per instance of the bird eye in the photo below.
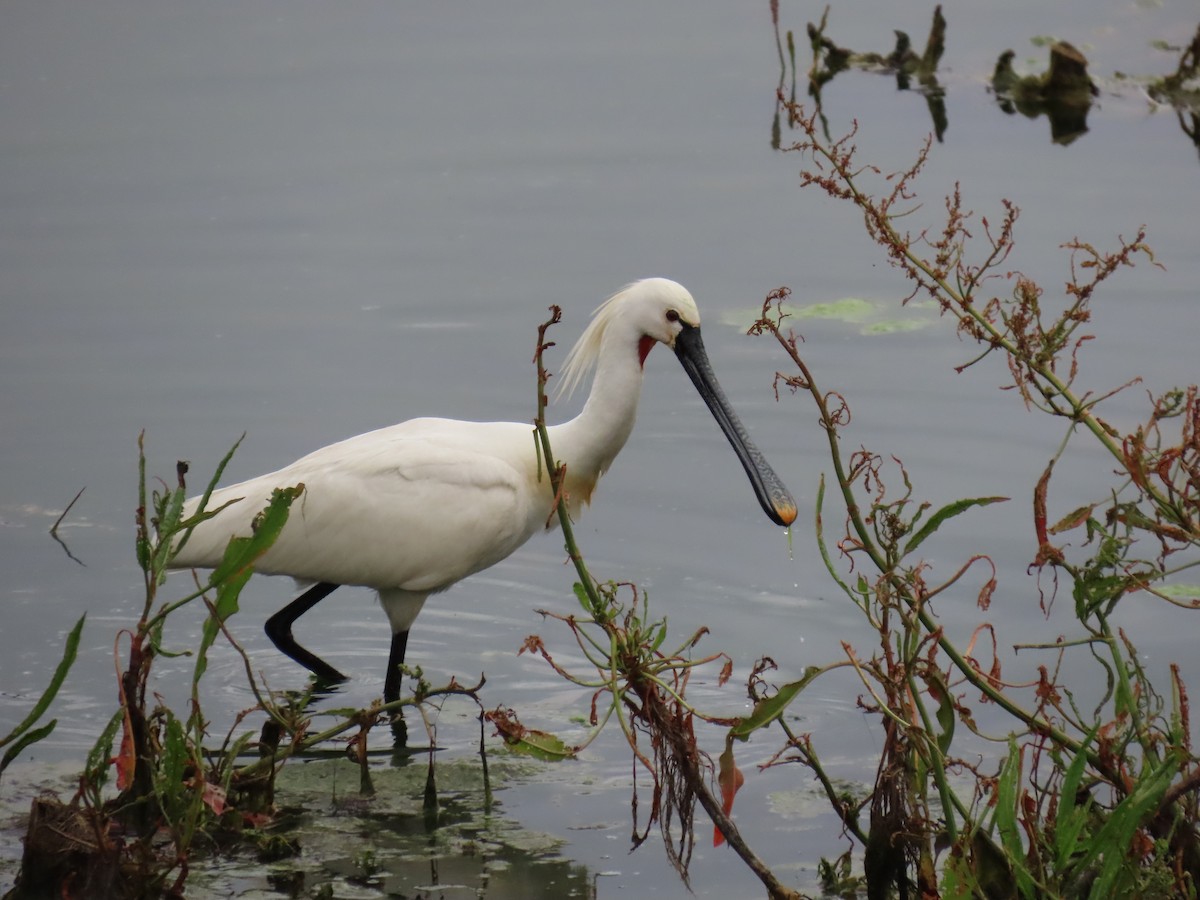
(672, 315)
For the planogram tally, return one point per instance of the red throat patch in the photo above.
(645, 345)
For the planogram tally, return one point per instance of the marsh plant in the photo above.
(1084, 801)
(157, 788)
(1074, 799)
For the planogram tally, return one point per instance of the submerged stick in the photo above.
(59, 520)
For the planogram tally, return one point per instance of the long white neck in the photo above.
(589, 442)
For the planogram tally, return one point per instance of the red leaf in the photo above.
(730, 778)
(214, 798)
(126, 759)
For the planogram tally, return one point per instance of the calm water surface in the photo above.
(305, 221)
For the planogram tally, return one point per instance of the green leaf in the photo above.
(1114, 836)
(581, 595)
(823, 545)
(229, 762)
(60, 673)
(540, 745)
(1007, 795)
(175, 753)
(768, 710)
(142, 546)
(1071, 818)
(957, 877)
(31, 737)
(945, 713)
(173, 794)
(237, 566)
(946, 512)
(658, 634)
(991, 870)
(95, 772)
(187, 525)
(242, 553)
(168, 524)
(1182, 592)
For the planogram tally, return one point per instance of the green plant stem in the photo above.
(936, 761)
(882, 563)
(343, 725)
(683, 755)
(556, 472)
(961, 305)
(846, 812)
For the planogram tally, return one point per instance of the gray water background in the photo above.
(305, 220)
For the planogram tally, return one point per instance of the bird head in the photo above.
(647, 312)
(658, 310)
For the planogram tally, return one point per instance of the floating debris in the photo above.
(1063, 93)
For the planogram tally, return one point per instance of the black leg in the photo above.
(391, 689)
(391, 684)
(279, 630)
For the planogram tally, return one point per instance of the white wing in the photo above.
(416, 506)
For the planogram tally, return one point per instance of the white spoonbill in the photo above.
(412, 508)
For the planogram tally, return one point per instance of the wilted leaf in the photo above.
(1073, 519)
(1039, 502)
(726, 673)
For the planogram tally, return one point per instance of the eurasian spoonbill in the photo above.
(413, 508)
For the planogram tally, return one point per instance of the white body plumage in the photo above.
(413, 508)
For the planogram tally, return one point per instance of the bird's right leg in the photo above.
(279, 630)
(401, 607)
(391, 684)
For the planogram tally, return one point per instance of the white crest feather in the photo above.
(583, 356)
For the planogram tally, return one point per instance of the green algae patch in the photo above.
(330, 841)
(851, 310)
(868, 317)
(392, 843)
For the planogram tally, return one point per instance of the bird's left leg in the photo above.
(391, 683)
(402, 608)
(279, 630)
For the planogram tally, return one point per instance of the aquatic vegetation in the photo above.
(141, 813)
(1072, 799)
